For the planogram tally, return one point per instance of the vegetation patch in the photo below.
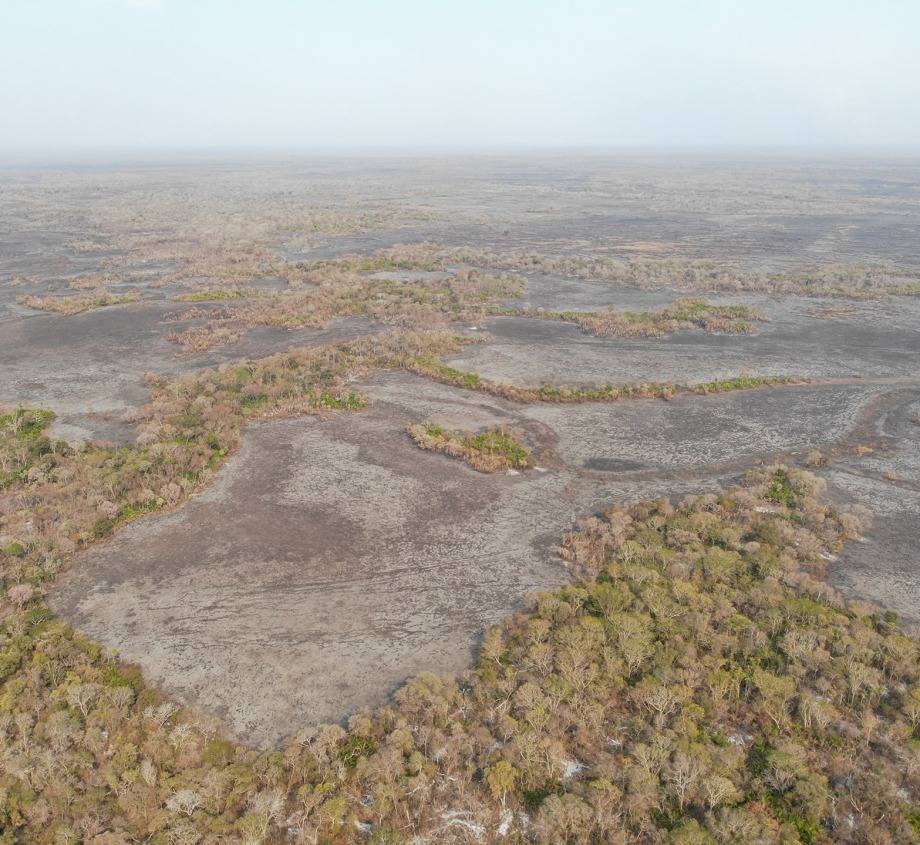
(375, 265)
(76, 305)
(747, 383)
(201, 338)
(847, 281)
(344, 289)
(699, 681)
(433, 369)
(566, 394)
(690, 313)
(217, 295)
(26, 424)
(495, 450)
(61, 499)
(23, 443)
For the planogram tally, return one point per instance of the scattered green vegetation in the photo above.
(595, 393)
(693, 309)
(433, 369)
(26, 424)
(500, 443)
(747, 383)
(448, 375)
(340, 401)
(603, 392)
(23, 443)
(495, 450)
(784, 490)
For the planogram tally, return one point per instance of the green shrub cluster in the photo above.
(494, 450)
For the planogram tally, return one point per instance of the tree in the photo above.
(564, 819)
(683, 773)
(184, 801)
(501, 779)
(81, 696)
(718, 790)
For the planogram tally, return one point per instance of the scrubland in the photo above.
(592, 336)
(698, 682)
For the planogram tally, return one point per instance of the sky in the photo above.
(292, 75)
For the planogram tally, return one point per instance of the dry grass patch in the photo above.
(847, 281)
(836, 311)
(93, 281)
(68, 307)
(344, 288)
(688, 313)
(202, 338)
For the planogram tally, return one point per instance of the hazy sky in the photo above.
(384, 73)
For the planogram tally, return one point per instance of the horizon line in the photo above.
(75, 154)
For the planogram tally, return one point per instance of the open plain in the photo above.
(329, 559)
